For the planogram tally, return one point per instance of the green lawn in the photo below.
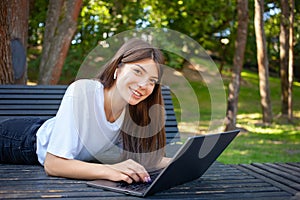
(278, 142)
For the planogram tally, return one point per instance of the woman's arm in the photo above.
(127, 171)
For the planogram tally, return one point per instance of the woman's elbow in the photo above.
(51, 165)
(49, 171)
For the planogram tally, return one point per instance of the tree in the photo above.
(263, 63)
(13, 33)
(291, 60)
(61, 24)
(284, 55)
(240, 45)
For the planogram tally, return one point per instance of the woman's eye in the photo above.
(137, 71)
(153, 81)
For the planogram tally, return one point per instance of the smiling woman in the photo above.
(137, 69)
(136, 80)
(118, 115)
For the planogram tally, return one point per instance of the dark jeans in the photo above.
(18, 140)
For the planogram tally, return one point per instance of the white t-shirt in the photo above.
(80, 129)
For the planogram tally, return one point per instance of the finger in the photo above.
(126, 178)
(141, 174)
(137, 171)
(133, 175)
(144, 177)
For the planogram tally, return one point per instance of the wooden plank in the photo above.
(30, 96)
(279, 173)
(290, 166)
(28, 112)
(285, 168)
(29, 107)
(268, 177)
(30, 91)
(172, 129)
(295, 164)
(171, 123)
(31, 102)
(32, 87)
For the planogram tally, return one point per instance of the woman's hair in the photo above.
(143, 138)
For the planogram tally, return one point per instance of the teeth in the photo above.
(136, 93)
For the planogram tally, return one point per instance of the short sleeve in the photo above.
(64, 141)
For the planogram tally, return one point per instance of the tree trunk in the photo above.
(284, 55)
(263, 63)
(60, 27)
(14, 32)
(240, 45)
(6, 71)
(291, 60)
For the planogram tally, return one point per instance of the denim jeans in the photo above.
(18, 140)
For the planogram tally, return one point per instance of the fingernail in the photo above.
(147, 179)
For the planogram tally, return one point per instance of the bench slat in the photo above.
(274, 179)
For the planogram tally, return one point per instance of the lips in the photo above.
(136, 93)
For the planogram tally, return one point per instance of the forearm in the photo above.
(56, 166)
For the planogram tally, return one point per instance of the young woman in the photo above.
(116, 119)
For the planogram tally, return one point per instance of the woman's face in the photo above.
(136, 80)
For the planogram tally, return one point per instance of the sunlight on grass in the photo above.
(297, 84)
(249, 75)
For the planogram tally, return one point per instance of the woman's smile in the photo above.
(136, 81)
(135, 93)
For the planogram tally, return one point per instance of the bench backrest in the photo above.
(44, 100)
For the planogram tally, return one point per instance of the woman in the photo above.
(121, 108)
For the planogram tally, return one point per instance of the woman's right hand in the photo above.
(128, 171)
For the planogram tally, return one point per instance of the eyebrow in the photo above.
(145, 70)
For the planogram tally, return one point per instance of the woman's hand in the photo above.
(128, 171)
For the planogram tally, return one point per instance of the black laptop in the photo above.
(189, 163)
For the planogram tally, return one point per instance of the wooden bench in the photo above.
(44, 100)
(244, 181)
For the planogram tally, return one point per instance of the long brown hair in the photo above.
(142, 132)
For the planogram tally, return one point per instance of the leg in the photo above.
(18, 140)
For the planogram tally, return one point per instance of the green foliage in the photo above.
(207, 22)
(37, 19)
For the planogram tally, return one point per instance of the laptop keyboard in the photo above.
(139, 186)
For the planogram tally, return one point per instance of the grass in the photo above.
(277, 142)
